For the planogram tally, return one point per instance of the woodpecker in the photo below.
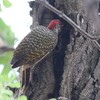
(37, 44)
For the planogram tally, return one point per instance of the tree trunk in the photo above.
(72, 69)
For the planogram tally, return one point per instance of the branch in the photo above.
(5, 49)
(62, 15)
(97, 45)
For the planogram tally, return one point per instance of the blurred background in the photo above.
(15, 23)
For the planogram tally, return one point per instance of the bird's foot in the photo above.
(23, 89)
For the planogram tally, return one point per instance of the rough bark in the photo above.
(72, 69)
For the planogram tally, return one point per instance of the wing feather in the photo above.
(34, 46)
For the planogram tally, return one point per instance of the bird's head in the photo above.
(55, 25)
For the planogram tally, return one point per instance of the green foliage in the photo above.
(5, 60)
(8, 38)
(8, 78)
(22, 98)
(6, 81)
(6, 3)
(6, 33)
(0, 8)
